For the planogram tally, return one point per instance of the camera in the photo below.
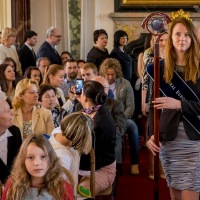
(79, 86)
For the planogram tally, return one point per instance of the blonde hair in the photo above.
(20, 89)
(53, 181)
(91, 66)
(76, 127)
(53, 69)
(113, 64)
(6, 33)
(191, 57)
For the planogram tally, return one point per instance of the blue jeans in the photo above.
(133, 136)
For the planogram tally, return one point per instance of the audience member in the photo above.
(71, 140)
(43, 63)
(55, 78)
(65, 55)
(47, 49)
(179, 122)
(0, 36)
(48, 100)
(37, 173)
(119, 53)
(33, 73)
(26, 53)
(122, 90)
(27, 115)
(104, 138)
(147, 59)
(80, 64)
(7, 78)
(147, 94)
(7, 48)
(10, 139)
(71, 71)
(116, 109)
(99, 52)
(88, 71)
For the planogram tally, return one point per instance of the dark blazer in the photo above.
(26, 57)
(46, 50)
(170, 118)
(124, 60)
(13, 147)
(104, 138)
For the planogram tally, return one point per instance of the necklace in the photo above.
(91, 110)
(179, 68)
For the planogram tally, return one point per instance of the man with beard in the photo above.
(71, 72)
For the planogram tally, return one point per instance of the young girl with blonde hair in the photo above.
(37, 173)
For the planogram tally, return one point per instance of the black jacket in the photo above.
(26, 57)
(104, 139)
(13, 147)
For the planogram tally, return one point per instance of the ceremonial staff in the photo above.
(156, 24)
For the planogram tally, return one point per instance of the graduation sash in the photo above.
(177, 89)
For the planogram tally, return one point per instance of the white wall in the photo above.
(95, 13)
(47, 13)
(5, 14)
(95, 16)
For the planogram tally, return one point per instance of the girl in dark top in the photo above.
(180, 108)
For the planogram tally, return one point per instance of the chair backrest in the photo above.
(92, 173)
(1, 189)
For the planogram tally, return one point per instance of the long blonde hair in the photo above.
(77, 127)
(21, 179)
(53, 69)
(192, 58)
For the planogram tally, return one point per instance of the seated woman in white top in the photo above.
(71, 140)
(27, 115)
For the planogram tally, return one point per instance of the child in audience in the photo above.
(71, 140)
(37, 173)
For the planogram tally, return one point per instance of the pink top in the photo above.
(67, 186)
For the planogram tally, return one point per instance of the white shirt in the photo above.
(69, 157)
(113, 88)
(3, 146)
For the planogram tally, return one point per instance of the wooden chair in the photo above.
(1, 189)
(104, 195)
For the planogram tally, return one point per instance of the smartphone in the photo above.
(79, 86)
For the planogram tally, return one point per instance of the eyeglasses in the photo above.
(58, 36)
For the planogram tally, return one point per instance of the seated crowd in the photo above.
(48, 129)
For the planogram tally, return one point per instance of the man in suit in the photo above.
(47, 49)
(26, 54)
(10, 139)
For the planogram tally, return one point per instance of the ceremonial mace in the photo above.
(156, 24)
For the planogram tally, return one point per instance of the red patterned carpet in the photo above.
(139, 187)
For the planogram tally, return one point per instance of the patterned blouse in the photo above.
(27, 128)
